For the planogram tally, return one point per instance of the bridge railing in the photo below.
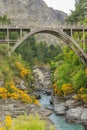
(72, 26)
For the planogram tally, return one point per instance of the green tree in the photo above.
(26, 49)
(78, 15)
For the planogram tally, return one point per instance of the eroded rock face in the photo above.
(42, 78)
(15, 108)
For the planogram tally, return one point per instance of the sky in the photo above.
(63, 5)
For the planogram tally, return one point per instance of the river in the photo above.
(59, 121)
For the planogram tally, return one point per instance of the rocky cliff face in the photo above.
(32, 12)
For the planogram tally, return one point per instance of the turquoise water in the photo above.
(61, 124)
(59, 121)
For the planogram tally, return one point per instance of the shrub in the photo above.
(10, 91)
(79, 80)
(25, 122)
(67, 89)
(3, 48)
(57, 91)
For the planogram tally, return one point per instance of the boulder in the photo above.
(84, 116)
(59, 109)
(73, 103)
(38, 96)
(69, 103)
(74, 114)
(48, 92)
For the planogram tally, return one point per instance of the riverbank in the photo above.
(59, 121)
(73, 111)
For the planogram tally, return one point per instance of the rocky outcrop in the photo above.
(74, 111)
(15, 108)
(59, 106)
(19, 83)
(74, 114)
(42, 78)
(77, 115)
(59, 109)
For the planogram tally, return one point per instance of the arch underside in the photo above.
(59, 34)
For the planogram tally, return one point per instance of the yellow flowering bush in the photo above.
(82, 90)
(64, 90)
(24, 72)
(7, 123)
(2, 128)
(82, 95)
(77, 96)
(3, 93)
(84, 98)
(67, 89)
(10, 91)
(57, 91)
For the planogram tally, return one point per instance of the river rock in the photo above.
(72, 103)
(74, 114)
(85, 105)
(84, 117)
(69, 103)
(48, 92)
(42, 77)
(38, 96)
(59, 109)
(21, 85)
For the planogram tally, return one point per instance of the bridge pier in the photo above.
(84, 46)
(21, 34)
(78, 36)
(71, 33)
(7, 38)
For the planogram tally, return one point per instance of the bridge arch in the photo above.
(59, 34)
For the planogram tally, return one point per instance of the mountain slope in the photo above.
(32, 12)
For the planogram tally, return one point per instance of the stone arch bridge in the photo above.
(65, 33)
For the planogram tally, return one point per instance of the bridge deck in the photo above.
(65, 27)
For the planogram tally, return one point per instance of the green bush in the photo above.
(3, 48)
(31, 122)
(79, 79)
